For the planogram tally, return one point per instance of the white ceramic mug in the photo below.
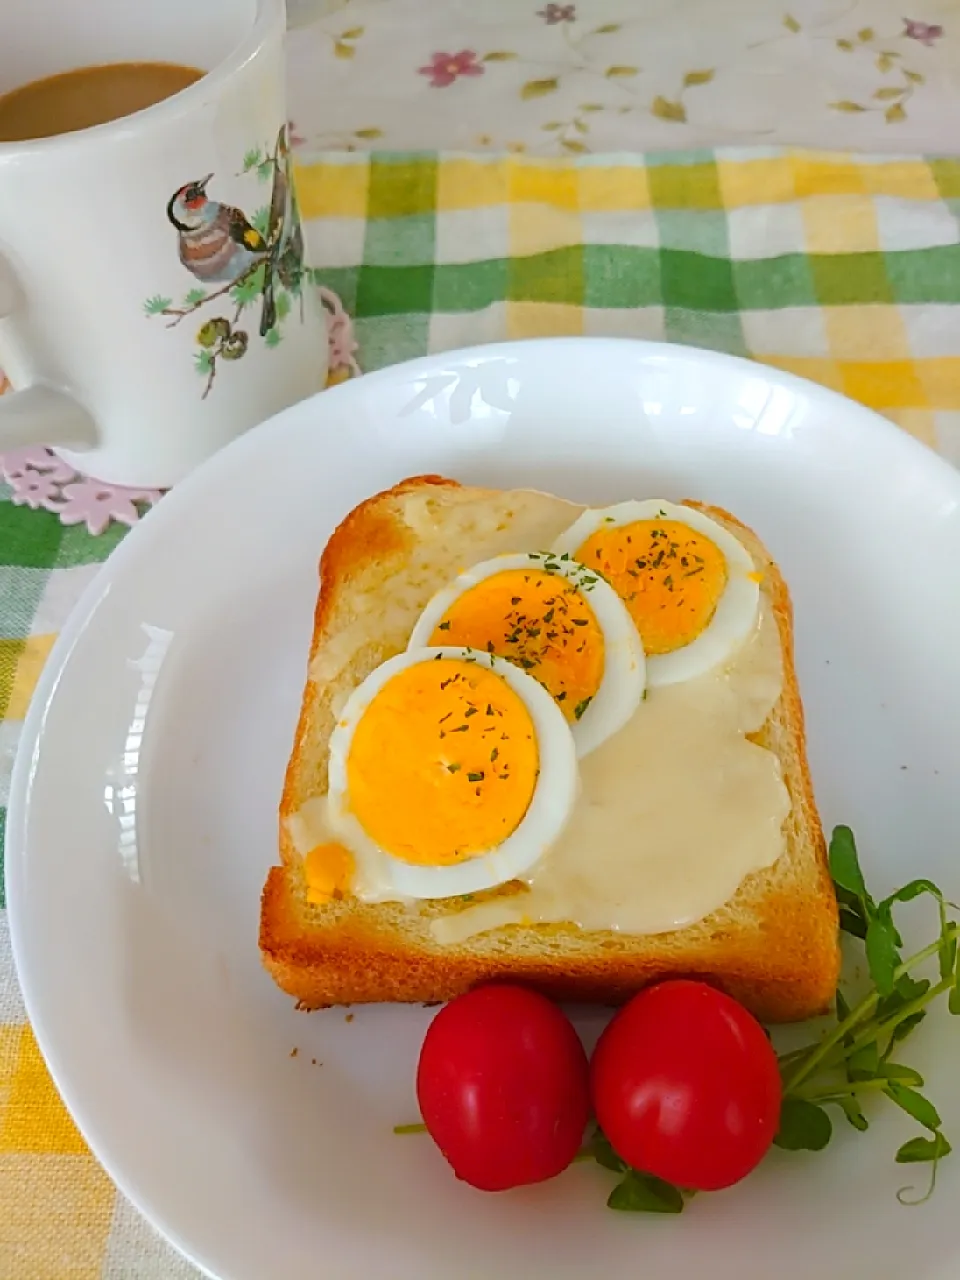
(136, 348)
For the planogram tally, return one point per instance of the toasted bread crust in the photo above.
(783, 965)
(365, 533)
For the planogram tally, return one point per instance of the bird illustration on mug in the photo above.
(217, 242)
(230, 253)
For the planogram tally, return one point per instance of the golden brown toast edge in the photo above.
(364, 533)
(784, 970)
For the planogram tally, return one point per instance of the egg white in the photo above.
(737, 612)
(383, 876)
(624, 668)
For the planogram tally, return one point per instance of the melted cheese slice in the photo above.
(675, 810)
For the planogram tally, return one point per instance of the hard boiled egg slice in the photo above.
(690, 586)
(556, 620)
(450, 771)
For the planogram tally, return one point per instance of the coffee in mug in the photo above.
(88, 96)
(156, 298)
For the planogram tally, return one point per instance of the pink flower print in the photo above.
(343, 345)
(927, 33)
(34, 490)
(554, 13)
(16, 463)
(341, 340)
(444, 68)
(96, 504)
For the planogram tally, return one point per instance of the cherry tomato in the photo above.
(685, 1086)
(503, 1086)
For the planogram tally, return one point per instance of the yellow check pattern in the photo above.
(843, 269)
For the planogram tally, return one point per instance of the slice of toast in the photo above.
(773, 946)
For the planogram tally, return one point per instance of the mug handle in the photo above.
(43, 415)
(39, 414)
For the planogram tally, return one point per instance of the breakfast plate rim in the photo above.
(850, 416)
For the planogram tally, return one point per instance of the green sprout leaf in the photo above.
(803, 1126)
(904, 1028)
(849, 1103)
(856, 906)
(947, 955)
(265, 170)
(283, 304)
(273, 338)
(252, 159)
(894, 1071)
(913, 890)
(853, 922)
(883, 952)
(643, 1193)
(156, 305)
(864, 1063)
(915, 1104)
(195, 297)
(203, 362)
(919, 1150)
(907, 990)
(851, 1108)
(605, 1155)
(922, 1150)
(845, 865)
(953, 999)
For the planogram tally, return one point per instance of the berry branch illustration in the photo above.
(248, 259)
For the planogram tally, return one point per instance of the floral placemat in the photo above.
(590, 76)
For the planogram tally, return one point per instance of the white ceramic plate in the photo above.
(144, 802)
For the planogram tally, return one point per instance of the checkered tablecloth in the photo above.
(843, 269)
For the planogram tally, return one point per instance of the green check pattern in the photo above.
(35, 549)
(844, 269)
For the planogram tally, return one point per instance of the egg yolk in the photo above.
(669, 576)
(443, 763)
(539, 621)
(329, 872)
